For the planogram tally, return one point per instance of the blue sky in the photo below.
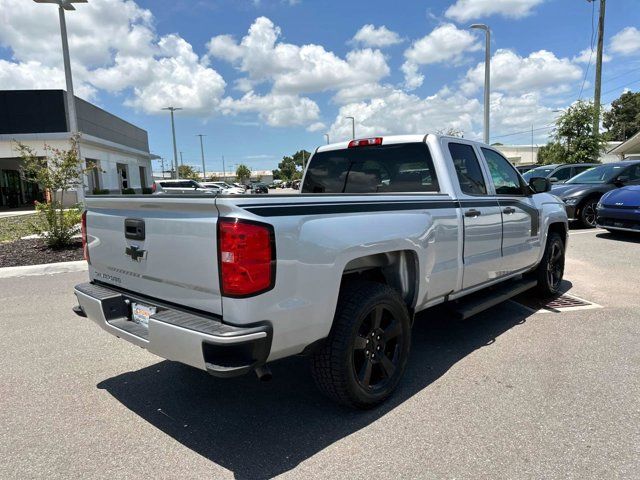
(264, 78)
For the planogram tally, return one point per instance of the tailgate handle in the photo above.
(134, 229)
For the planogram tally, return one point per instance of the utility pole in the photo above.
(204, 173)
(487, 76)
(173, 132)
(532, 143)
(181, 162)
(224, 170)
(598, 81)
(162, 163)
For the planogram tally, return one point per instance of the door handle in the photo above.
(509, 210)
(472, 213)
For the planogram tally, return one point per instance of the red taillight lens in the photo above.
(85, 247)
(246, 252)
(154, 187)
(365, 142)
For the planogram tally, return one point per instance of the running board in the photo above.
(482, 300)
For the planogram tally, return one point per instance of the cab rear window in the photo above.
(405, 167)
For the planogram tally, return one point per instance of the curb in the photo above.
(44, 269)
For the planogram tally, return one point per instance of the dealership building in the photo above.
(118, 150)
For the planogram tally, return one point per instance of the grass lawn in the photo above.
(12, 228)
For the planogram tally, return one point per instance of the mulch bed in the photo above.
(36, 252)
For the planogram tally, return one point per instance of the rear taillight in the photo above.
(365, 142)
(85, 247)
(246, 252)
(154, 187)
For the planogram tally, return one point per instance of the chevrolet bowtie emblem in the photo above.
(136, 253)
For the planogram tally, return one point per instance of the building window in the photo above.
(93, 175)
(143, 177)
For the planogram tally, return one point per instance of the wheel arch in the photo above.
(399, 269)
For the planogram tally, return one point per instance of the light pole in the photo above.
(487, 75)
(327, 135)
(173, 132)
(353, 127)
(71, 101)
(204, 173)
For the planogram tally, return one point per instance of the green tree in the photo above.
(574, 131)
(623, 120)
(290, 168)
(552, 152)
(57, 172)
(243, 173)
(188, 172)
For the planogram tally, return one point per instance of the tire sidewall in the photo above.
(359, 394)
(583, 221)
(546, 287)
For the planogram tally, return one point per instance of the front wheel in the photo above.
(551, 268)
(366, 353)
(588, 214)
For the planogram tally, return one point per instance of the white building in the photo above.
(264, 176)
(36, 118)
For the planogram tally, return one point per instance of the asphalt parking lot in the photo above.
(509, 394)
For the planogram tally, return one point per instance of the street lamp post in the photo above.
(487, 75)
(327, 135)
(353, 127)
(173, 132)
(71, 101)
(204, 173)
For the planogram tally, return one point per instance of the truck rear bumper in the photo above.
(201, 341)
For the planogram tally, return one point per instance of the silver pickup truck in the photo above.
(383, 228)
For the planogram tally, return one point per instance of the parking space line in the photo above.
(593, 230)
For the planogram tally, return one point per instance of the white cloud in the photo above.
(294, 69)
(445, 43)
(587, 55)
(370, 36)
(277, 110)
(113, 47)
(541, 71)
(398, 112)
(316, 127)
(626, 41)
(465, 10)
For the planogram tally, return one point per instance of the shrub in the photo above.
(147, 191)
(128, 191)
(56, 225)
(101, 191)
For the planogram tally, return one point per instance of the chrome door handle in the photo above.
(472, 213)
(509, 210)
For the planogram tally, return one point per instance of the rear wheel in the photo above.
(588, 213)
(551, 269)
(366, 353)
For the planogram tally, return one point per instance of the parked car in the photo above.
(525, 168)
(559, 173)
(212, 186)
(336, 273)
(174, 186)
(259, 188)
(619, 210)
(228, 189)
(582, 193)
(296, 184)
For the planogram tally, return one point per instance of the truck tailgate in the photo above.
(171, 252)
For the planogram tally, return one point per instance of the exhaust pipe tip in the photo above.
(264, 373)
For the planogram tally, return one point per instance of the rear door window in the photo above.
(468, 169)
(562, 174)
(405, 167)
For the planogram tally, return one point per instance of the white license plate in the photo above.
(140, 313)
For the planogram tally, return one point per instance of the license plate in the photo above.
(140, 313)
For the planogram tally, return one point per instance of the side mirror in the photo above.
(553, 179)
(540, 184)
(621, 180)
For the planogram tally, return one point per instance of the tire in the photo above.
(551, 268)
(588, 213)
(365, 356)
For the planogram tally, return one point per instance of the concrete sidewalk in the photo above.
(16, 213)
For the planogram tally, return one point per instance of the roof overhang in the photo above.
(629, 147)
